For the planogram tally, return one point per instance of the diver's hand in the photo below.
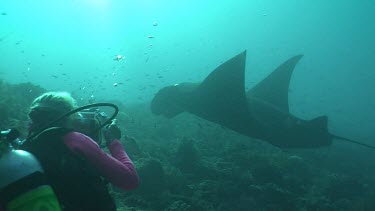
(111, 133)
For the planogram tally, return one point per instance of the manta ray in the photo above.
(262, 112)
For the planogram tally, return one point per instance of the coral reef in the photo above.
(14, 104)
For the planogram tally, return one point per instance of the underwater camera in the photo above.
(87, 122)
(90, 120)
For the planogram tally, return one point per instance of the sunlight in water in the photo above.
(98, 4)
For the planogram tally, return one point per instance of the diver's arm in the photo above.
(118, 152)
(119, 169)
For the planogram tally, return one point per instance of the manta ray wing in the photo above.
(221, 97)
(274, 88)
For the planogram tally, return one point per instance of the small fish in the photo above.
(151, 37)
(4, 13)
(119, 57)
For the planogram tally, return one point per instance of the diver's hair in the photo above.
(50, 106)
(61, 102)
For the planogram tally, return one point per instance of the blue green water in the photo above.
(71, 45)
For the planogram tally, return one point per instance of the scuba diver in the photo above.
(73, 163)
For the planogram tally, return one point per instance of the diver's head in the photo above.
(48, 107)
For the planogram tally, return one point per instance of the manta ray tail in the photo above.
(321, 123)
(353, 141)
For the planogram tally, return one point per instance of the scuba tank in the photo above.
(22, 183)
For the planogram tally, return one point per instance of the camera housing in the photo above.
(88, 122)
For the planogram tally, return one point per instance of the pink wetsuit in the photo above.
(118, 168)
